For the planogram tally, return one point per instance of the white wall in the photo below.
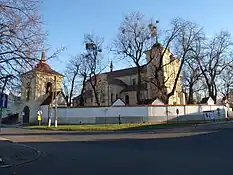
(155, 113)
(186, 112)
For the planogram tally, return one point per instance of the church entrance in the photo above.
(26, 114)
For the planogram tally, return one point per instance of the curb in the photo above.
(37, 156)
(215, 123)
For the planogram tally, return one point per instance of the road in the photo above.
(202, 150)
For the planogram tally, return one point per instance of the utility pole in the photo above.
(56, 117)
(51, 108)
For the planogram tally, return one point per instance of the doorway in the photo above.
(26, 115)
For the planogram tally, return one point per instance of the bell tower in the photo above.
(37, 88)
(41, 81)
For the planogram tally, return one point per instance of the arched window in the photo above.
(116, 96)
(28, 93)
(127, 99)
(48, 87)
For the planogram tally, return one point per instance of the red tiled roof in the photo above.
(42, 66)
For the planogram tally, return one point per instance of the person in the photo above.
(39, 118)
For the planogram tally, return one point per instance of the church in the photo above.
(42, 86)
(122, 84)
(39, 86)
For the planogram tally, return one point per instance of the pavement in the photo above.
(204, 149)
(15, 154)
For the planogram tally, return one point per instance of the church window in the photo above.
(48, 87)
(134, 81)
(127, 99)
(112, 97)
(28, 94)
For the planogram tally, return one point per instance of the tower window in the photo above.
(134, 81)
(48, 87)
(28, 94)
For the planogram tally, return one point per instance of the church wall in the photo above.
(34, 106)
(133, 96)
(41, 82)
(28, 81)
(129, 79)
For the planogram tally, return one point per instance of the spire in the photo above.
(43, 56)
(111, 67)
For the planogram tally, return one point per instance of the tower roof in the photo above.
(43, 66)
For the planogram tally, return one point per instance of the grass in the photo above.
(114, 127)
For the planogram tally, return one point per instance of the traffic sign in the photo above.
(3, 100)
(39, 112)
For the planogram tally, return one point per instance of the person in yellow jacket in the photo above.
(39, 118)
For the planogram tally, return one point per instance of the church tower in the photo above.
(37, 85)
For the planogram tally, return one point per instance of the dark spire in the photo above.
(43, 56)
(111, 67)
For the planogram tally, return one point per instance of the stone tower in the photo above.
(37, 85)
(166, 74)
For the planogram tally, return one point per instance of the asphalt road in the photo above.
(202, 150)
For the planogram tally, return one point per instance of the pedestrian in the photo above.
(39, 118)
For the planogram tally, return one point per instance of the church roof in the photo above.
(131, 88)
(114, 81)
(43, 66)
(125, 72)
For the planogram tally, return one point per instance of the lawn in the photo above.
(113, 127)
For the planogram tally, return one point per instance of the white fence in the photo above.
(136, 114)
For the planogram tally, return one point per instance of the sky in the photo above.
(66, 21)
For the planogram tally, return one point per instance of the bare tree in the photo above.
(226, 82)
(21, 36)
(191, 78)
(216, 57)
(133, 39)
(72, 71)
(93, 60)
(77, 71)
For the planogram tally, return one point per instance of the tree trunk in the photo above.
(72, 89)
(190, 95)
(212, 91)
(93, 85)
(82, 91)
(139, 85)
(96, 97)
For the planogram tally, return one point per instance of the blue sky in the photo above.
(68, 20)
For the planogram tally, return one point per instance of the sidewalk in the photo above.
(13, 154)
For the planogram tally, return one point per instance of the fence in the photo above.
(136, 114)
